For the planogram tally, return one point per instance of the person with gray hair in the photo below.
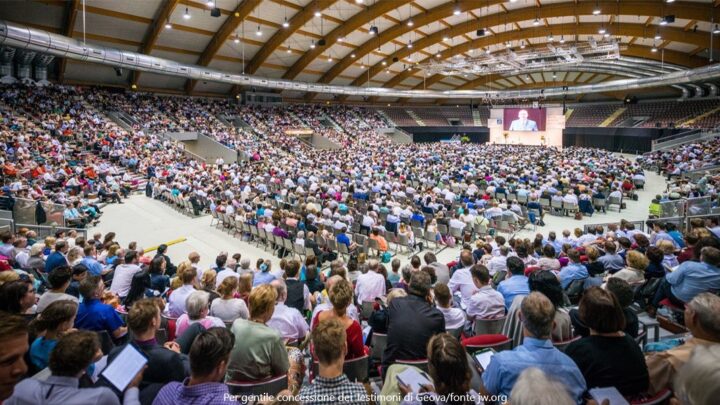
(702, 318)
(534, 387)
(696, 384)
(288, 321)
(537, 313)
(197, 307)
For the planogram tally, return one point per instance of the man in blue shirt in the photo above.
(537, 351)
(93, 314)
(345, 240)
(574, 270)
(517, 284)
(690, 279)
(57, 257)
(94, 267)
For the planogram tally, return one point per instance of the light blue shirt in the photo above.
(612, 263)
(505, 367)
(571, 272)
(263, 277)
(693, 278)
(512, 287)
(94, 267)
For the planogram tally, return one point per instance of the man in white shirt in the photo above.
(615, 194)
(122, 279)
(499, 263)
(570, 198)
(371, 284)
(288, 321)
(457, 223)
(461, 279)
(176, 302)
(486, 303)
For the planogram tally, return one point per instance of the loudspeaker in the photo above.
(670, 19)
(215, 12)
(395, 59)
(480, 32)
(321, 42)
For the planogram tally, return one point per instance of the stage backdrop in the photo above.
(553, 122)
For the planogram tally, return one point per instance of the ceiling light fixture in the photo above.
(358, 1)
(536, 22)
(236, 40)
(352, 55)
(209, 3)
(187, 14)
(285, 23)
(384, 63)
(601, 30)
(716, 30)
(410, 43)
(168, 26)
(522, 44)
(657, 36)
(562, 39)
(654, 49)
(258, 32)
(456, 11)
(374, 30)
(438, 55)
(289, 50)
(663, 21)
(410, 23)
(341, 39)
(330, 59)
(317, 14)
(312, 44)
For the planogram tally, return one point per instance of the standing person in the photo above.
(209, 359)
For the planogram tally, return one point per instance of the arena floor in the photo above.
(151, 222)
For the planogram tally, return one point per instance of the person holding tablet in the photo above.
(68, 361)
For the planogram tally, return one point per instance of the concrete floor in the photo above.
(151, 222)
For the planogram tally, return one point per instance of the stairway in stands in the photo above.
(387, 118)
(568, 114)
(477, 121)
(415, 117)
(700, 117)
(609, 120)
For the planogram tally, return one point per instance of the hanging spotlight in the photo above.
(258, 32)
(508, 45)
(341, 39)
(352, 55)
(601, 30)
(446, 38)
(597, 11)
(654, 48)
(716, 30)
(384, 63)
(536, 22)
(607, 35)
(669, 1)
(168, 26)
(554, 76)
(438, 55)
(330, 59)
(312, 44)
(209, 3)
(663, 21)
(562, 39)
(456, 11)
(522, 44)
(374, 30)
(358, 1)
(551, 37)
(187, 14)
(285, 23)
(410, 23)
(289, 50)
(317, 14)
(236, 40)
(487, 51)
(657, 36)
(410, 44)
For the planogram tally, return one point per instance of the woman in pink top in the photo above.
(197, 307)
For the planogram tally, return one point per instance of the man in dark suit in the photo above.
(165, 362)
(412, 321)
(312, 244)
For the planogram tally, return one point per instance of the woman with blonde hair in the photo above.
(634, 271)
(207, 284)
(227, 307)
(341, 296)
(74, 256)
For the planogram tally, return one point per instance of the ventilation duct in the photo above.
(40, 64)
(685, 92)
(6, 59)
(698, 91)
(32, 39)
(23, 61)
(712, 89)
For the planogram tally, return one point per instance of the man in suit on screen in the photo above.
(523, 123)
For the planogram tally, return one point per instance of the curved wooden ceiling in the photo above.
(351, 54)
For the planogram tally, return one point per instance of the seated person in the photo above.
(209, 359)
(93, 314)
(287, 320)
(330, 345)
(68, 361)
(197, 306)
(624, 294)
(608, 357)
(57, 319)
(448, 369)
(486, 303)
(690, 279)
(259, 351)
(537, 350)
(702, 318)
(454, 317)
(341, 297)
(344, 239)
(165, 363)
(382, 243)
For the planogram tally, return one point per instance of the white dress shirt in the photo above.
(176, 302)
(454, 317)
(486, 303)
(461, 281)
(369, 286)
(223, 274)
(497, 263)
(288, 322)
(123, 279)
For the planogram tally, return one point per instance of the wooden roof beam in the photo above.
(162, 16)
